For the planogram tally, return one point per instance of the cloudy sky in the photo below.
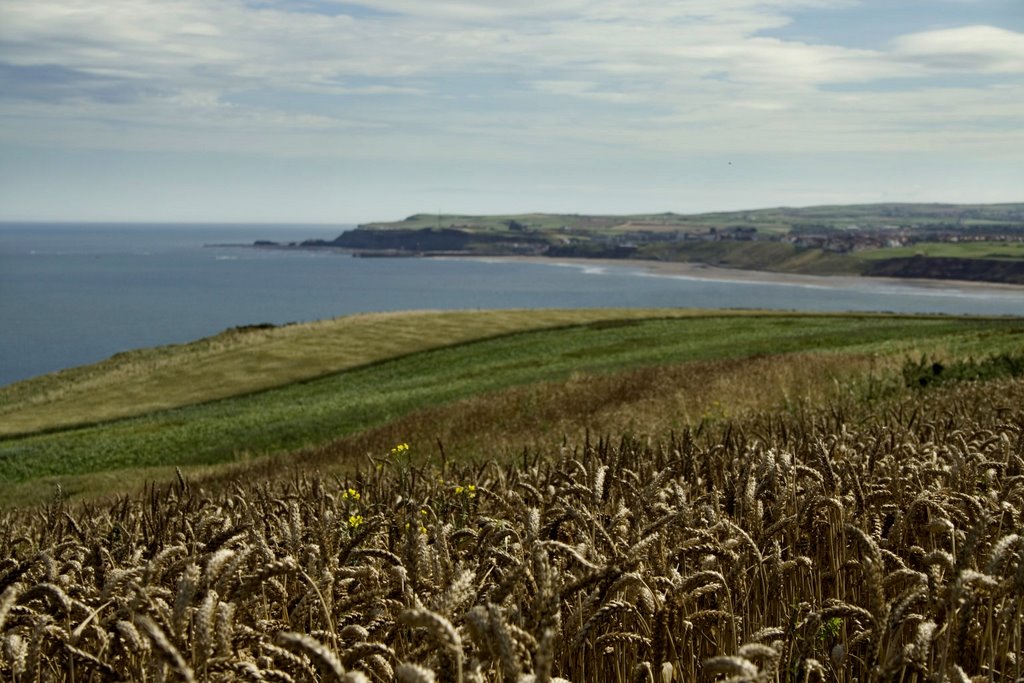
(346, 111)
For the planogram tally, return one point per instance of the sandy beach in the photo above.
(700, 271)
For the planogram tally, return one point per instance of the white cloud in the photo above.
(474, 10)
(760, 59)
(975, 49)
(588, 90)
(506, 78)
(189, 40)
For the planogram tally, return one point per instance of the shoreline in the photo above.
(700, 271)
(691, 271)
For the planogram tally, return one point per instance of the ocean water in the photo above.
(76, 294)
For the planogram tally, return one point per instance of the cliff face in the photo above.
(430, 240)
(405, 240)
(939, 268)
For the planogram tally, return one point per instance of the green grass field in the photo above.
(238, 362)
(395, 382)
(972, 250)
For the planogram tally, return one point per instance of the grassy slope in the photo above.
(767, 256)
(318, 411)
(238, 362)
(979, 250)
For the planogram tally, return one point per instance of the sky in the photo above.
(358, 110)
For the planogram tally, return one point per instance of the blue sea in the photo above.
(76, 294)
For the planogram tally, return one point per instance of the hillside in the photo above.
(250, 359)
(775, 220)
(819, 503)
(827, 240)
(492, 384)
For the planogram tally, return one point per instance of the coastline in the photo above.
(700, 271)
(687, 270)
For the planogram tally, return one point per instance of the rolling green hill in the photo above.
(245, 360)
(494, 378)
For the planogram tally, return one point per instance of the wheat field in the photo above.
(847, 543)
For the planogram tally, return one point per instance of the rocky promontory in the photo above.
(434, 241)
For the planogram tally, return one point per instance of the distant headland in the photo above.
(969, 242)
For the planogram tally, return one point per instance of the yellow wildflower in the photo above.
(354, 521)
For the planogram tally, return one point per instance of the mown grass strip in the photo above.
(319, 410)
(244, 360)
